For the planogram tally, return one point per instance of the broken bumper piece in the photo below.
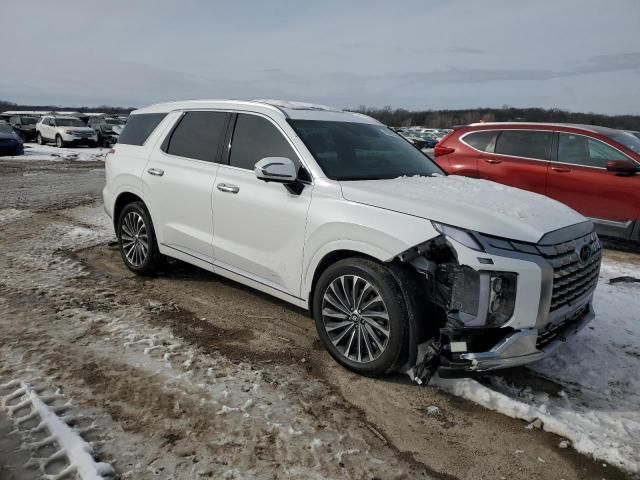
(518, 347)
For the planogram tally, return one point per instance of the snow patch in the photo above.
(598, 376)
(8, 215)
(33, 151)
(68, 443)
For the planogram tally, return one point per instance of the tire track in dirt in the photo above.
(153, 395)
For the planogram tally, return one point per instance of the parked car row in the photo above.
(62, 129)
(421, 137)
(66, 130)
(594, 170)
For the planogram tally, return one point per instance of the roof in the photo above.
(283, 108)
(589, 128)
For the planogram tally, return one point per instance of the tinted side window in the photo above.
(581, 150)
(139, 127)
(198, 135)
(480, 140)
(255, 138)
(522, 143)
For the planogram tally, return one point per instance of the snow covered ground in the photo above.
(597, 406)
(33, 151)
(161, 397)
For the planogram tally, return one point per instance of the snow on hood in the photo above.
(477, 205)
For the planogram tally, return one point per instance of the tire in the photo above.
(377, 354)
(39, 139)
(133, 228)
(59, 141)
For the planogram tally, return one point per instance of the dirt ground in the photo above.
(188, 375)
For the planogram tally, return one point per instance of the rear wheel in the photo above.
(137, 240)
(361, 316)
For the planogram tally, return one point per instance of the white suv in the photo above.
(65, 131)
(402, 267)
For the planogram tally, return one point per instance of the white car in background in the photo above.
(65, 131)
(402, 267)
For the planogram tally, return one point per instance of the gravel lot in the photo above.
(188, 375)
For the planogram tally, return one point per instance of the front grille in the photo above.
(573, 276)
(552, 331)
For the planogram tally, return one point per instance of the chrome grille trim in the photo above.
(572, 277)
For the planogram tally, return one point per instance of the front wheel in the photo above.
(137, 240)
(361, 316)
(39, 139)
(59, 141)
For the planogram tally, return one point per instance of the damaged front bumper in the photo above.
(544, 296)
(518, 347)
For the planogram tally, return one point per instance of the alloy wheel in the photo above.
(135, 242)
(355, 318)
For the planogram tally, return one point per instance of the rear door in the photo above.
(259, 226)
(580, 179)
(519, 158)
(179, 180)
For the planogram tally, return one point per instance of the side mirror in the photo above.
(622, 167)
(276, 169)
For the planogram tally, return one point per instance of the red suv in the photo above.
(594, 170)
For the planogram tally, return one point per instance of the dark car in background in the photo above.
(594, 170)
(10, 141)
(25, 126)
(107, 129)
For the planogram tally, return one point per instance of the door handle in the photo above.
(493, 161)
(560, 169)
(158, 172)
(227, 188)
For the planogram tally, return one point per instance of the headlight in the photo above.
(482, 298)
(502, 297)
(69, 132)
(459, 235)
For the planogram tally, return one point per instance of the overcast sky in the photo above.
(580, 55)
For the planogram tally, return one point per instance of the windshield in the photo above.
(360, 151)
(5, 128)
(28, 121)
(69, 122)
(627, 139)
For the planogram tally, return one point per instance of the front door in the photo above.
(179, 180)
(519, 159)
(259, 226)
(47, 129)
(580, 179)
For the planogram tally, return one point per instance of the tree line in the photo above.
(11, 106)
(400, 117)
(450, 118)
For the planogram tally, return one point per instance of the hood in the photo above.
(477, 205)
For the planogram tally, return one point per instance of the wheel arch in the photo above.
(123, 200)
(327, 260)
